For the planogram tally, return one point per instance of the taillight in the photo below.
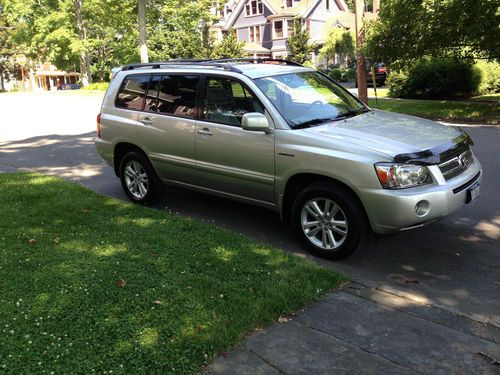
(381, 70)
(99, 125)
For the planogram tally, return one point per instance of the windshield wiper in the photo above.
(316, 121)
(351, 113)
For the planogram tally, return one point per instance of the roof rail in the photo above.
(220, 63)
(158, 65)
(256, 60)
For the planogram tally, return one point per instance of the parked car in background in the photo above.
(381, 72)
(70, 86)
(285, 137)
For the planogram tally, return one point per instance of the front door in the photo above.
(230, 159)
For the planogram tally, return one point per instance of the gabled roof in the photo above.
(302, 9)
(239, 8)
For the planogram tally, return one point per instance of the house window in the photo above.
(278, 29)
(288, 3)
(289, 24)
(254, 8)
(255, 34)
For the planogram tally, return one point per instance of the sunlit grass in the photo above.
(460, 111)
(91, 284)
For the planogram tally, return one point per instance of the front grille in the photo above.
(456, 162)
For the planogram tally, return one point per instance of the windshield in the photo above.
(308, 99)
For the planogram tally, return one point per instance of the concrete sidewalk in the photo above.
(358, 330)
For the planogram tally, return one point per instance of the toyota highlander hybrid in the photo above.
(279, 135)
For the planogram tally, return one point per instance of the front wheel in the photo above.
(329, 219)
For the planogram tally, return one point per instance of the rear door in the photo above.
(167, 126)
(230, 159)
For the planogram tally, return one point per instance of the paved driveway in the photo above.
(447, 275)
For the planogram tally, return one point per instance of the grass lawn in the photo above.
(92, 284)
(468, 112)
(489, 97)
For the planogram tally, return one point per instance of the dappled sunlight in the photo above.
(107, 250)
(148, 337)
(223, 253)
(75, 172)
(8, 147)
(490, 229)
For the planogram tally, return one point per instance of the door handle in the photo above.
(146, 120)
(205, 131)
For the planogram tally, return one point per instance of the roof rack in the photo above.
(256, 60)
(219, 63)
(158, 65)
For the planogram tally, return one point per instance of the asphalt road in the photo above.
(452, 266)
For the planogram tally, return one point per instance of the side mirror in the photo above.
(355, 94)
(255, 121)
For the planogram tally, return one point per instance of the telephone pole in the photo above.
(361, 62)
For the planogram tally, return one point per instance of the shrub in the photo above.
(396, 82)
(99, 86)
(436, 79)
(348, 74)
(335, 74)
(490, 77)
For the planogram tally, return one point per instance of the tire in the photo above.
(138, 178)
(337, 235)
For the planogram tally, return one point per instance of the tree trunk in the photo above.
(2, 82)
(143, 36)
(82, 34)
(361, 66)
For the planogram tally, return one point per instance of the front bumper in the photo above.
(391, 211)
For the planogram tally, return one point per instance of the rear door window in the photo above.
(132, 92)
(150, 104)
(177, 95)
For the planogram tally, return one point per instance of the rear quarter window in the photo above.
(132, 92)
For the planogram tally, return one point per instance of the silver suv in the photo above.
(282, 136)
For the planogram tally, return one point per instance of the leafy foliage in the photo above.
(229, 47)
(408, 30)
(298, 44)
(490, 77)
(338, 43)
(436, 79)
(179, 32)
(47, 30)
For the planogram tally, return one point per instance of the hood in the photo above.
(389, 133)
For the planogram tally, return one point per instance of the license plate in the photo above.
(473, 192)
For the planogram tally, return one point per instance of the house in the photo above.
(264, 25)
(47, 77)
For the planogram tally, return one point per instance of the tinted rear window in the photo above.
(132, 92)
(177, 95)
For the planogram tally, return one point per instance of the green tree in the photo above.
(229, 47)
(339, 43)
(44, 30)
(408, 30)
(298, 44)
(178, 27)
(113, 40)
(6, 50)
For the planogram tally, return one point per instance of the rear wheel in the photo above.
(329, 219)
(138, 178)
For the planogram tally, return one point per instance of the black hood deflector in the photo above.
(436, 154)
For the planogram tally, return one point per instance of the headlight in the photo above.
(401, 176)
